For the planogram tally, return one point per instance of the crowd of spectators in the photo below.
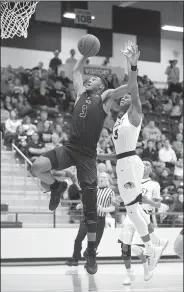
(36, 108)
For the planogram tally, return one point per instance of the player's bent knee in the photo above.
(40, 165)
(89, 200)
(126, 251)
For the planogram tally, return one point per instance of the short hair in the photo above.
(104, 82)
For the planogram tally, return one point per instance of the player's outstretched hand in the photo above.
(131, 53)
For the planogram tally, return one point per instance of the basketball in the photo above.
(89, 45)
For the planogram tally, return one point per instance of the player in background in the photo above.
(129, 167)
(105, 205)
(151, 199)
(178, 244)
(93, 103)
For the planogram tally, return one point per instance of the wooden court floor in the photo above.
(168, 277)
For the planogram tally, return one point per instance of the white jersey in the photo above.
(125, 135)
(150, 189)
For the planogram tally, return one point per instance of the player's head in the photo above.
(96, 84)
(125, 102)
(147, 168)
(103, 180)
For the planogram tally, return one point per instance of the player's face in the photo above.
(125, 101)
(94, 83)
(147, 167)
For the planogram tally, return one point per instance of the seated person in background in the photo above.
(35, 147)
(177, 109)
(43, 118)
(28, 127)
(178, 168)
(21, 139)
(4, 116)
(167, 107)
(62, 135)
(167, 154)
(151, 132)
(178, 144)
(11, 125)
(166, 178)
(163, 138)
(150, 151)
(47, 132)
(7, 103)
(54, 142)
(179, 129)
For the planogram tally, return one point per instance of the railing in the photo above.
(25, 166)
(168, 219)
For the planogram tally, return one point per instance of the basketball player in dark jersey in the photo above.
(92, 105)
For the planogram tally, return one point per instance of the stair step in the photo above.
(14, 166)
(19, 188)
(25, 198)
(21, 193)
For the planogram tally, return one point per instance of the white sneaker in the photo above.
(154, 258)
(129, 279)
(148, 276)
(164, 243)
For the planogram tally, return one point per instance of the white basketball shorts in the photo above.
(128, 234)
(130, 172)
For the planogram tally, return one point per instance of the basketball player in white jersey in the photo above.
(130, 167)
(151, 200)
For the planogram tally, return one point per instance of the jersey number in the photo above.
(116, 134)
(144, 191)
(83, 111)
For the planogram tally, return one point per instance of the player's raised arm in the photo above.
(77, 76)
(132, 54)
(109, 156)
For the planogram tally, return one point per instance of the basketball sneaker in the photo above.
(90, 257)
(163, 243)
(56, 194)
(129, 279)
(148, 275)
(154, 257)
(72, 262)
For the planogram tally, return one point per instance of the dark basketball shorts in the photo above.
(63, 157)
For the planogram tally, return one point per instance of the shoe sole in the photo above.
(148, 279)
(157, 261)
(51, 209)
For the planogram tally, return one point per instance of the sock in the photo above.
(54, 185)
(154, 239)
(91, 244)
(145, 266)
(149, 248)
(129, 271)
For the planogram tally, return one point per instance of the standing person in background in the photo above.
(173, 76)
(72, 59)
(105, 199)
(55, 62)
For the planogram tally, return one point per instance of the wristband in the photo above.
(134, 68)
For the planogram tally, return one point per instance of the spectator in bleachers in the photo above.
(178, 168)
(4, 116)
(18, 86)
(21, 139)
(166, 178)
(177, 109)
(23, 107)
(62, 135)
(150, 151)
(173, 76)
(64, 80)
(46, 134)
(72, 59)
(178, 144)
(28, 127)
(55, 142)
(35, 147)
(11, 125)
(43, 118)
(7, 103)
(151, 132)
(55, 62)
(168, 105)
(167, 154)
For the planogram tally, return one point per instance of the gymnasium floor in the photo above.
(167, 277)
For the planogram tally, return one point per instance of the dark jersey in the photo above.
(87, 122)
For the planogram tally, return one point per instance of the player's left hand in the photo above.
(131, 53)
